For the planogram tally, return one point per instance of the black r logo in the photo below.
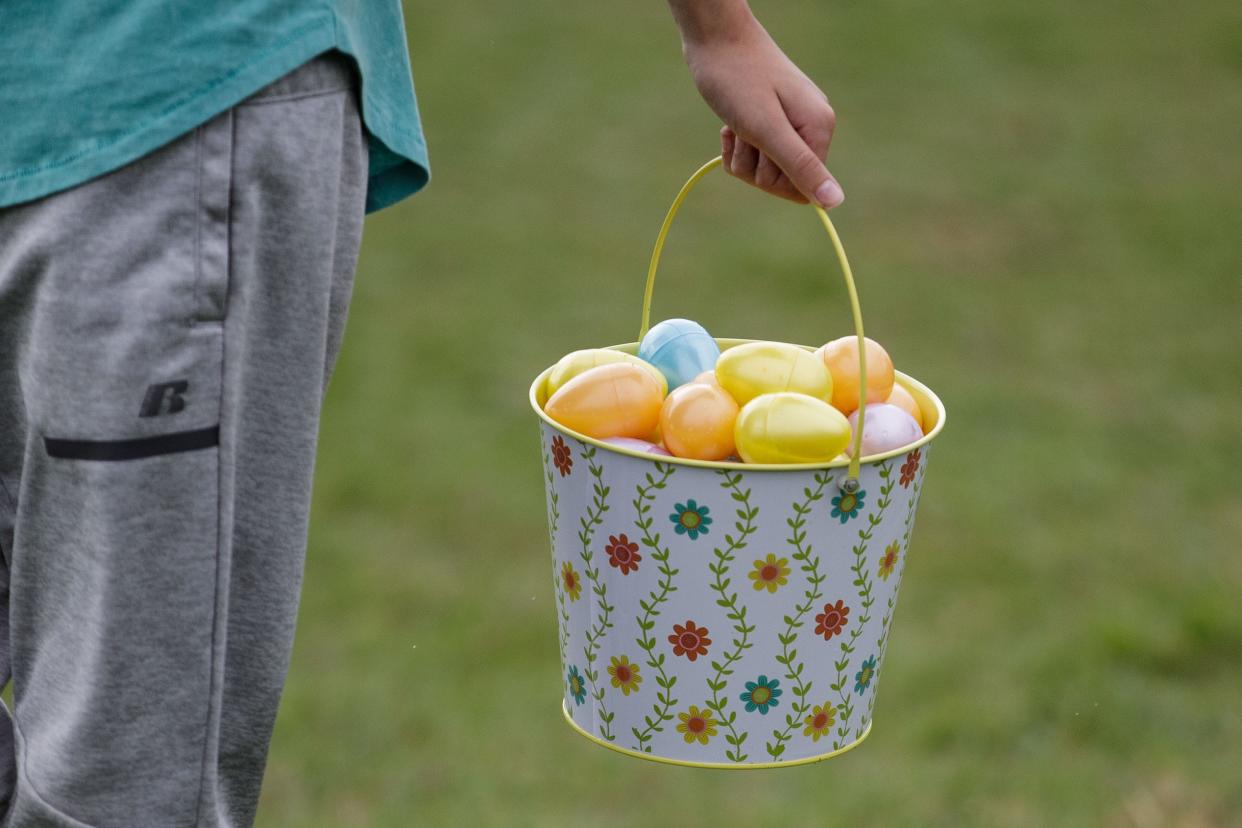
(158, 393)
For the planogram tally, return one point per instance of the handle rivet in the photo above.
(850, 485)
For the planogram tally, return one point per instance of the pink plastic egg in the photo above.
(885, 428)
(634, 444)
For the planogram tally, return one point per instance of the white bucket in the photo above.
(726, 615)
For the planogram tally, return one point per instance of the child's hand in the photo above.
(778, 123)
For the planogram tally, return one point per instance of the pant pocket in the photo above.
(113, 602)
(215, 174)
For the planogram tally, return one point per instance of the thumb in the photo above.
(802, 166)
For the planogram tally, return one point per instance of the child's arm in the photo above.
(778, 124)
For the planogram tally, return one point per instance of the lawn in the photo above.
(1043, 211)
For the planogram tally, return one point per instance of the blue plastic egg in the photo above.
(681, 349)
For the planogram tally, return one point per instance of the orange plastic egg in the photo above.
(905, 401)
(841, 357)
(697, 421)
(707, 378)
(615, 400)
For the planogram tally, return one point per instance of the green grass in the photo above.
(1042, 209)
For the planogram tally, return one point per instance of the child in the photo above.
(182, 189)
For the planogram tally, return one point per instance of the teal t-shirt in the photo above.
(86, 88)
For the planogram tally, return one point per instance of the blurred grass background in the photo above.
(1043, 209)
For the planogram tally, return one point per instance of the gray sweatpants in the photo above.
(167, 332)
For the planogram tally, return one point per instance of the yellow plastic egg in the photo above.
(905, 401)
(615, 400)
(841, 358)
(697, 421)
(755, 368)
(790, 428)
(574, 363)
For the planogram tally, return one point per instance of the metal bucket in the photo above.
(719, 614)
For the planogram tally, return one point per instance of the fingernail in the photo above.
(829, 194)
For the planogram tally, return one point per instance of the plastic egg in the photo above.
(574, 363)
(615, 400)
(841, 357)
(697, 421)
(707, 378)
(680, 349)
(885, 428)
(904, 400)
(637, 445)
(755, 368)
(788, 427)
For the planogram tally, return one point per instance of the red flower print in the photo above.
(561, 456)
(830, 622)
(889, 560)
(622, 553)
(573, 586)
(690, 641)
(909, 467)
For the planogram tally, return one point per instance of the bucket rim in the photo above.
(910, 383)
(687, 763)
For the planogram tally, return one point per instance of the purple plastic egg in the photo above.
(634, 444)
(886, 428)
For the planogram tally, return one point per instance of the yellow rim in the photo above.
(810, 760)
(910, 383)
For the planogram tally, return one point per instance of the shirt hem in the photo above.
(37, 182)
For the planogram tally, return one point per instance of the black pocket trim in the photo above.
(133, 449)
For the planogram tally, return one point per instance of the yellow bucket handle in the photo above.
(850, 484)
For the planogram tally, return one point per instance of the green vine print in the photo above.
(651, 607)
(886, 622)
(594, 517)
(554, 519)
(794, 669)
(745, 526)
(862, 580)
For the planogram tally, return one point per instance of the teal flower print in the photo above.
(690, 519)
(862, 679)
(761, 694)
(577, 687)
(847, 505)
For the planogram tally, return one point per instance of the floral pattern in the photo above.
(562, 457)
(832, 620)
(909, 468)
(862, 679)
(690, 519)
(770, 573)
(623, 553)
(889, 559)
(577, 687)
(624, 674)
(573, 584)
(637, 668)
(696, 724)
(689, 640)
(762, 694)
(847, 505)
(819, 723)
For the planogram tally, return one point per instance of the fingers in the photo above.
(790, 165)
(745, 161)
(763, 173)
(802, 165)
